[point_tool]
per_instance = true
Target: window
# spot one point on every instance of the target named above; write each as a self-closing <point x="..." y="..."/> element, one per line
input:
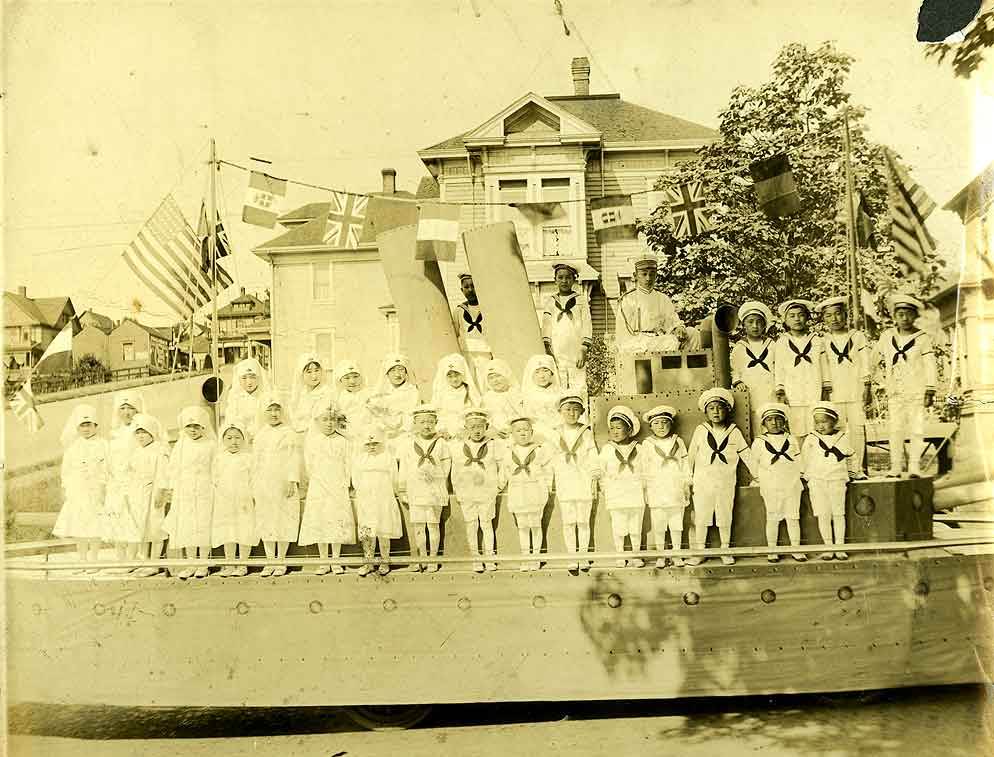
<point x="321" y="281"/>
<point x="324" y="346"/>
<point x="128" y="351"/>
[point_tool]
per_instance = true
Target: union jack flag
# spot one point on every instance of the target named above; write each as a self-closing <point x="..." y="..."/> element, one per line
<point x="23" y="405"/>
<point x="688" y="209"/>
<point x="345" y="220"/>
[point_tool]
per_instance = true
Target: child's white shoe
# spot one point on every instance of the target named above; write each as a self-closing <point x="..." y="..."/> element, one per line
<point x="383" y="569"/>
<point x="267" y="572"/>
<point x="678" y="562"/>
<point x="185" y="573"/>
<point x="365" y="570"/>
<point x="433" y="567"/>
<point x="773" y="558"/>
<point x="491" y="566"/>
<point x="800" y="557"/>
<point x="694" y="560"/>
<point x="638" y="562"/>
<point x="826" y="556"/>
<point x="525" y="567"/>
<point x="322" y="570"/>
<point x="841" y="556"/>
<point x="239" y="570"/>
<point x="727" y="560"/>
<point x="661" y="562"/>
<point x="279" y="570"/>
<point x="337" y="569"/>
<point x="478" y="567"/>
<point x="619" y="563"/>
<point x="414" y="567"/>
<point x="201" y="572"/>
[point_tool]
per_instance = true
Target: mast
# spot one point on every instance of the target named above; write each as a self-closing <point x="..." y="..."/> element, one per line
<point x="855" y="307"/>
<point x="212" y="256"/>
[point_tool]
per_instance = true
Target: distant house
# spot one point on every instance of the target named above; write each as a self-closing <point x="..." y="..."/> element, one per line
<point x="133" y="345"/>
<point x="329" y="292"/>
<point x="30" y="325"/>
<point x="244" y="329"/>
<point x="93" y="337"/>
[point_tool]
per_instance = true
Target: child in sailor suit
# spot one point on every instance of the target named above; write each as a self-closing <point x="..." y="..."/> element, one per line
<point x="848" y="359"/>
<point x="664" y="459"/>
<point x="527" y="472"/>
<point x="566" y="328"/>
<point x="424" y="471"/>
<point x="576" y="468"/>
<point x="715" y="450"/>
<point x="910" y="379"/>
<point x="752" y="358"/>
<point x="476" y="483"/>
<point x="777" y="460"/>
<point x="800" y="370"/>
<point x="824" y="459"/>
<point x="623" y="482"/>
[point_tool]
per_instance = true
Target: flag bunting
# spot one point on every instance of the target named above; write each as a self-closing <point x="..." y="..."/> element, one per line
<point x="688" y="209"/>
<point x="775" y="187"/>
<point x="346" y="218"/>
<point x="613" y="217"/>
<point x="263" y="199"/>
<point x="23" y="405"/>
<point x="438" y="230"/>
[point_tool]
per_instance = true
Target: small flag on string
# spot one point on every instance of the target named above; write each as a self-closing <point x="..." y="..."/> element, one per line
<point x="438" y="230"/>
<point x="775" y="188"/>
<point x="346" y="218"/>
<point x="58" y="355"/>
<point x="538" y="212"/>
<point x="222" y="247"/>
<point x="909" y="206"/>
<point x="23" y="405"/>
<point x="613" y="217"/>
<point x="263" y="199"/>
<point x="657" y="199"/>
<point x="688" y="209"/>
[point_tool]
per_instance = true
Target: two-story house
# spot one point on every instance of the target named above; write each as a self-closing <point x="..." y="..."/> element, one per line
<point x="30" y="325"/>
<point x="244" y="329"/>
<point x="136" y="346"/>
<point x="93" y="337"/>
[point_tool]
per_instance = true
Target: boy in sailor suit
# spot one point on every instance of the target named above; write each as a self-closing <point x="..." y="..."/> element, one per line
<point x="476" y="482"/>
<point x="566" y="328"/>
<point x="777" y="458"/>
<point x="910" y="378"/>
<point x="800" y="371"/>
<point x="576" y="470"/>
<point x="468" y="320"/>
<point x="664" y="459"/>
<point x="527" y="472"/>
<point x="424" y="470"/>
<point x="715" y="450"/>
<point x="752" y="358"/>
<point x="848" y="359"/>
<point x="646" y="319"/>
<point x="624" y="482"/>
<point x="823" y="458"/>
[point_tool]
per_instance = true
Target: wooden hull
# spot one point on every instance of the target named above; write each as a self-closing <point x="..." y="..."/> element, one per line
<point x="922" y="618"/>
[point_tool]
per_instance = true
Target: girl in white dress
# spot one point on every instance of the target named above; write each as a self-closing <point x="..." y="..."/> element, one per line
<point x="233" y="522"/>
<point x="276" y="476"/>
<point x="540" y="393"/>
<point x="452" y="393"/>
<point x="190" y="487"/>
<point x="395" y="397"/>
<point x="328" y="517"/>
<point x="374" y="478"/>
<point x="352" y="397"/>
<point x="146" y="475"/>
<point x="84" y="482"/>
<point x="247" y="390"/>
<point x="502" y="398"/>
<point x="310" y="387"/>
<point x="122" y="529"/>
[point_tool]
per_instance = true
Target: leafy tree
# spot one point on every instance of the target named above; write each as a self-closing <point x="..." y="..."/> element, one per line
<point x="89" y="367"/>
<point x="747" y="255"/>
<point x="969" y="54"/>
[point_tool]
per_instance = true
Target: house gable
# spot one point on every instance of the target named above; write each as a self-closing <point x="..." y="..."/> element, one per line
<point x="532" y="119"/>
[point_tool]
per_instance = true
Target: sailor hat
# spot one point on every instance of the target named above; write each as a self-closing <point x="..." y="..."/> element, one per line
<point x="772" y="408"/>
<point x="722" y="395"/>
<point x="476" y="412"/>
<point x="785" y="306"/>
<point x="575" y="399"/>
<point x="521" y="415"/>
<point x="659" y="411"/>
<point x="645" y="259"/>
<point x="620" y="411"/>
<point x="825" y="408"/>
<point x="567" y="266"/>
<point x="831" y="301"/>
<point x="424" y="409"/>
<point x="465" y="275"/>
<point x="755" y="307"/>
<point x="896" y="301"/>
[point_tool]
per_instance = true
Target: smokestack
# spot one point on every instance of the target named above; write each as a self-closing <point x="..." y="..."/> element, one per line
<point x="389" y="181"/>
<point x="243" y="291"/>
<point x="23" y="291"/>
<point x="581" y="76"/>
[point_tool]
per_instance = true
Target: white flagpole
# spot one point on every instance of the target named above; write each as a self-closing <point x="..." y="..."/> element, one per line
<point x="855" y="306"/>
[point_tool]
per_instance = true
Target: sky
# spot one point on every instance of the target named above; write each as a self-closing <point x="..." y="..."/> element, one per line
<point x="111" y="105"/>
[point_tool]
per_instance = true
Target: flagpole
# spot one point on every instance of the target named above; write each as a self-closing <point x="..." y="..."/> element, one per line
<point x="855" y="308"/>
<point x="212" y="256"/>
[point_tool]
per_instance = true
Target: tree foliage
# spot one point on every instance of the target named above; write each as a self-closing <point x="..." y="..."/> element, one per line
<point x="747" y="255"/>
<point x="966" y="56"/>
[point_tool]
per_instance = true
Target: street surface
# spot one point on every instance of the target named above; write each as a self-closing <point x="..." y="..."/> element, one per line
<point x="949" y="721"/>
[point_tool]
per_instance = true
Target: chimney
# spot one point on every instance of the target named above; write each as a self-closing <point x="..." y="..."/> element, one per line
<point x="581" y="76"/>
<point x="23" y="291"/>
<point x="243" y="291"/>
<point x="389" y="181"/>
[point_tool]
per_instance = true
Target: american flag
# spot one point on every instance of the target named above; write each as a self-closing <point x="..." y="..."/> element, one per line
<point x="909" y="206"/>
<point x="166" y="257"/>
<point x="346" y="218"/>
<point x="688" y="209"/>
<point x="23" y="405"/>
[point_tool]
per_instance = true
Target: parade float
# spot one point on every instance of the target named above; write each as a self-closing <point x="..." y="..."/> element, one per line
<point x="911" y="607"/>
